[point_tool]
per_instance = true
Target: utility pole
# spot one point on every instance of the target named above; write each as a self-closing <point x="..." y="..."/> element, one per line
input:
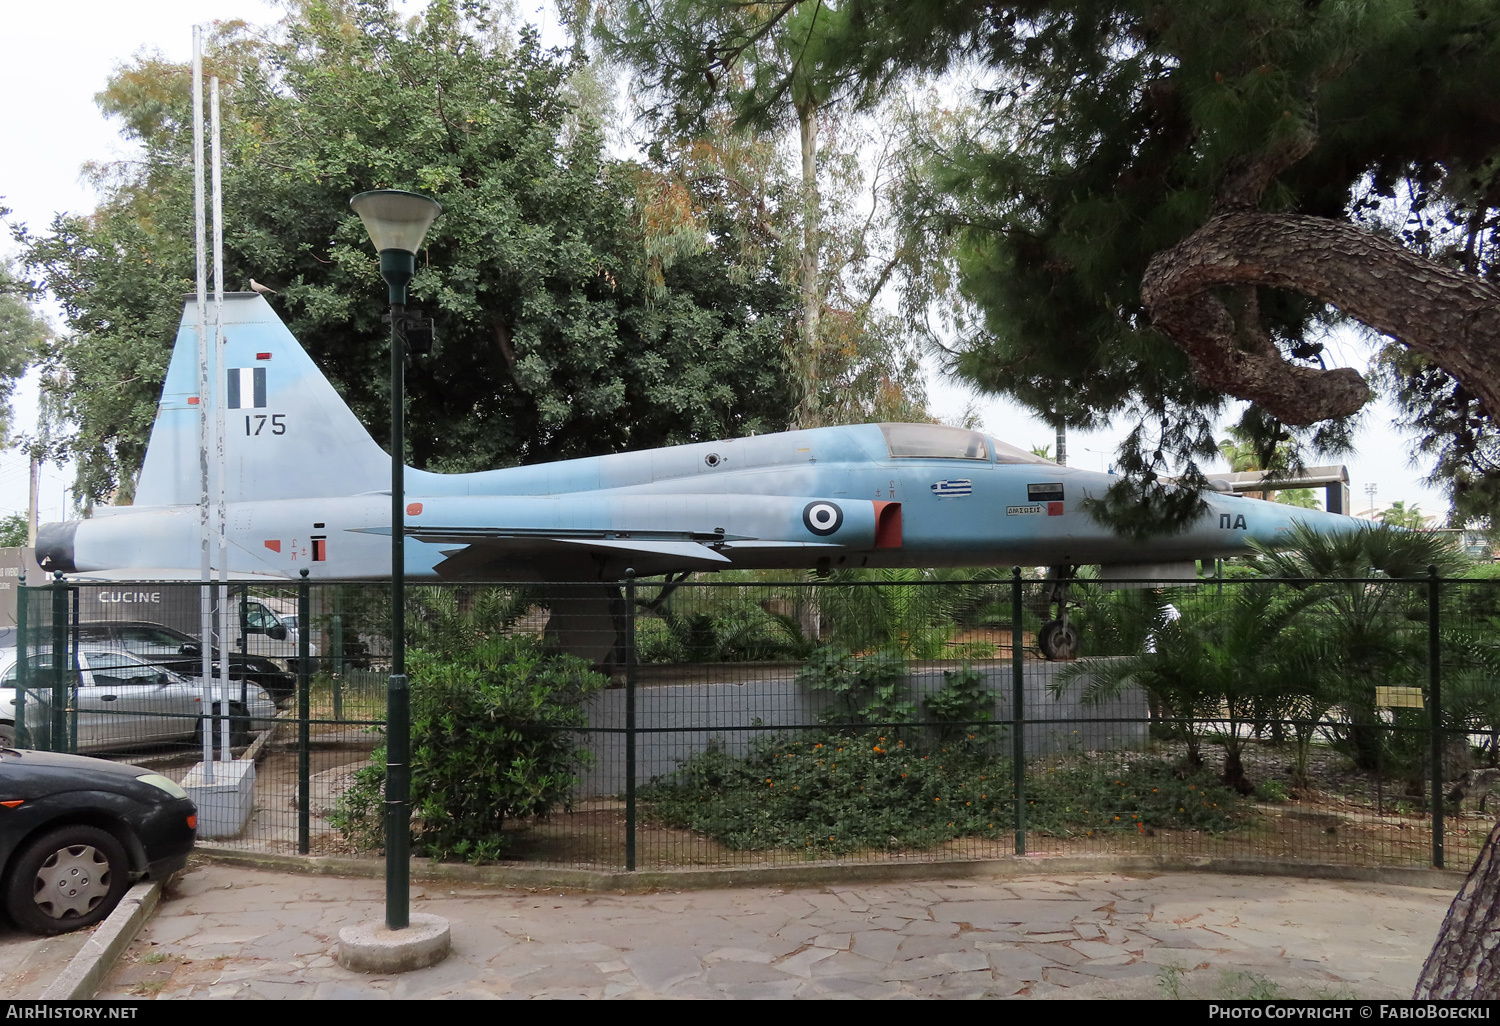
<point x="36" y="481"/>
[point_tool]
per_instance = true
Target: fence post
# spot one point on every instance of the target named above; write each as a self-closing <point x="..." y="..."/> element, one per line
<point x="338" y="667"/>
<point x="630" y="720"/>
<point x="23" y="671"/>
<point x="73" y="670"/>
<point x="304" y="786"/>
<point x="60" y="697"/>
<point x="1018" y="711"/>
<point x="1435" y="715"/>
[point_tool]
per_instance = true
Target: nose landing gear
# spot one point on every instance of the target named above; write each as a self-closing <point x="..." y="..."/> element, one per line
<point x="1058" y="638"/>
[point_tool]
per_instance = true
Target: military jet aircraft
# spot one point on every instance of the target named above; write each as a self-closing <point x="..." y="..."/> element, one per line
<point x="308" y="488"/>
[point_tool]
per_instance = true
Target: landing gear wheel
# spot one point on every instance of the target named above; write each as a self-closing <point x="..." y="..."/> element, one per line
<point x="1058" y="641"/>
<point x="7" y="736"/>
<point x="66" y="880"/>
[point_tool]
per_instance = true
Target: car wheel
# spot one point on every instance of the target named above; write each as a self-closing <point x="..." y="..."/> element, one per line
<point x="66" y="880"/>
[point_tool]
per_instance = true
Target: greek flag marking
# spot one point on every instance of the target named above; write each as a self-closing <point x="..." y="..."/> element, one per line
<point x="957" y="486"/>
<point x="245" y="383"/>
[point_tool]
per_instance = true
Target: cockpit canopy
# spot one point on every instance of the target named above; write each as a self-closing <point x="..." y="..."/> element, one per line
<point x="938" y="441"/>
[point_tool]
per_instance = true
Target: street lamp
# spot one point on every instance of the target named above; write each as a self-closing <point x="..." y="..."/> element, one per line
<point x="397" y="222"/>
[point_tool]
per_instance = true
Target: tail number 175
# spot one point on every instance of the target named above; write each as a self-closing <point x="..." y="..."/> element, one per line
<point x="277" y="423"/>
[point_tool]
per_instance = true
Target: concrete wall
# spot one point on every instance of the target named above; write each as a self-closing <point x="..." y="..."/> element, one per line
<point x="735" y="713"/>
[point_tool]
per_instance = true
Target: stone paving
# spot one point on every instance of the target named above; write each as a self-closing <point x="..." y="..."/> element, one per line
<point x="28" y="963"/>
<point x="224" y="932"/>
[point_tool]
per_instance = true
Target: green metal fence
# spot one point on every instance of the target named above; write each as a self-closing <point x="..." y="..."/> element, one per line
<point x="901" y="717"/>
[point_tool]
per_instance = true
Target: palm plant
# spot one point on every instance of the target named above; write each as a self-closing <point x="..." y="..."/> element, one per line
<point x="1223" y="661"/>
<point x="1362" y="603"/>
<point x="905" y="612"/>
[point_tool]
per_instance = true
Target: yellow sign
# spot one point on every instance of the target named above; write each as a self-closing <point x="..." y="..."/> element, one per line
<point x="1399" y="698"/>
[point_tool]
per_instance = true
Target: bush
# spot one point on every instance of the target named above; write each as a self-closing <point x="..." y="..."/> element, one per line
<point x="963" y="708"/>
<point x="491" y="740"/>
<point x="833" y="794"/>
<point x="866" y="689"/>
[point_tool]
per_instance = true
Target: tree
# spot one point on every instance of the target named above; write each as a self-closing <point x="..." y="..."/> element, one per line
<point x="1169" y="202"/>
<point x="1400" y="515"/>
<point x="1364" y="613"/>
<point x="1303" y="498"/>
<point x="23" y="334"/>
<point x="850" y="361"/>
<point x="558" y="336"/>
<point x="1461" y="965"/>
<point x="13" y="530"/>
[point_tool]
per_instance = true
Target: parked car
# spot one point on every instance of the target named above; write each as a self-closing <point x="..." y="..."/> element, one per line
<point x="125" y="701"/>
<point x="255" y="621"/>
<point x="75" y="833"/>
<point x="175" y="650"/>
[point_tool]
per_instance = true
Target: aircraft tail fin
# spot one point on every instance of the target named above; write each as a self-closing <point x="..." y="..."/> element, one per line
<point x="287" y="433"/>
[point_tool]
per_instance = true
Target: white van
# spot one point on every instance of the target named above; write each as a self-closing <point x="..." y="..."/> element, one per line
<point x="270" y="622"/>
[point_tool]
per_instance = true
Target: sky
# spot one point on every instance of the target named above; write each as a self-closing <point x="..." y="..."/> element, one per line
<point x="57" y="58"/>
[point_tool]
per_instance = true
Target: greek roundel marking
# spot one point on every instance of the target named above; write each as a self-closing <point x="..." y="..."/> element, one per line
<point x="822" y="518"/>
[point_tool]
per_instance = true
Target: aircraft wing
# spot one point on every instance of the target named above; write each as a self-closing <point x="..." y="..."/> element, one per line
<point x="479" y="536"/>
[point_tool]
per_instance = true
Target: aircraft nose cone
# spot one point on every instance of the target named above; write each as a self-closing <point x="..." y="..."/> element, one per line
<point x="54" y="547"/>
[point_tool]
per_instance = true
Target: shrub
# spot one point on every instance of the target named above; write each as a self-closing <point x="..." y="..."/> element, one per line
<point x="491" y="740"/>
<point x="866" y="689"/>
<point x="963" y="708"/>
<point x="833" y="793"/>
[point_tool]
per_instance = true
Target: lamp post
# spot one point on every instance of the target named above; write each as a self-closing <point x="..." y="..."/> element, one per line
<point x="397" y="222"/>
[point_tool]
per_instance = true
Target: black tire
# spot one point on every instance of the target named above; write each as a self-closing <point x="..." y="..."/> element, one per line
<point x="1058" y="641"/>
<point x="67" y="879"/>
<point x="239" y="727"/>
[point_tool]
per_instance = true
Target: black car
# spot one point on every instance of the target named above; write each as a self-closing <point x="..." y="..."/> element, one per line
<point x="76" y="832"/>
<point x="179" y="652"/>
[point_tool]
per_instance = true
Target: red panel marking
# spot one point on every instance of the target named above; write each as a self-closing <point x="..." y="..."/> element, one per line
<point x="1054" y="509"/>
<point x="275" y="545"/>
<point x="320" y="549"/>
<point x="192" y="400"/>
<point x="413" y="509"/>
<point x="15" y="804"/>
<point x="262" y="356"/>
<point x="887" y="525"/>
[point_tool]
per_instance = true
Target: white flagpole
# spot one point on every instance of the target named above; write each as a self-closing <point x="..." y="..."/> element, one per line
<point x="205" y="590"/>
<point x="218" y="401"/>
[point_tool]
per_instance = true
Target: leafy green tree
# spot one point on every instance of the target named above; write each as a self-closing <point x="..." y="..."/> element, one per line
<point x="14" y="529"/>
<point x="23" y="335"/>
<point x="557" y="336"/>
<point x="1162" y="203"/>
<point x="850" y="361"/>
<point x="1401" y="515"/>
<point x="1304" y="498"/>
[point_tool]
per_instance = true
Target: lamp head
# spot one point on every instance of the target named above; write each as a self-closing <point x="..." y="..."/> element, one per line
<point x="397" y="222"/>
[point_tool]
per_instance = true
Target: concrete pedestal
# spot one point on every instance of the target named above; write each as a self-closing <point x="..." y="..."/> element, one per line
<point x="372" y="948"/>
<point x="224" y="806"/>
